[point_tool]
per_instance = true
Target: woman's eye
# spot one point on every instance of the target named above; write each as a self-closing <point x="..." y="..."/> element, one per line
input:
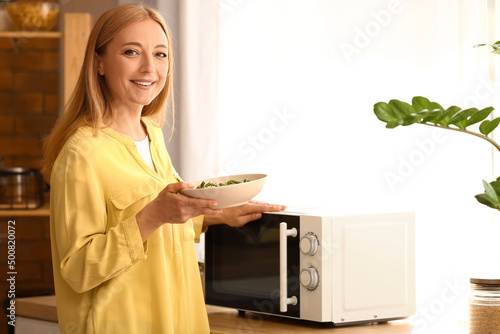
<point x="162" y="55"/>
<point x="131" y="52"/>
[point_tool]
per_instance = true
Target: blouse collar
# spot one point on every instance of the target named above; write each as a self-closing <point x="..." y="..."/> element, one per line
<point x="126" y="140"/>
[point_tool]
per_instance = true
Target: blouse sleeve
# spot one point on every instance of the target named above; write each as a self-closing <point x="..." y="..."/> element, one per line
<point x="198" y="227"/>
<point x="90" y="252"/>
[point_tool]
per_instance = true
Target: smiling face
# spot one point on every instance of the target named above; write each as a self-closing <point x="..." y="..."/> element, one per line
<point x="135" y="65"/>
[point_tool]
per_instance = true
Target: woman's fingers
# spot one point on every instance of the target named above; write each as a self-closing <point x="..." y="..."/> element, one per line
<point x="178" y="186"/>
<point x="259" y="207"/>
<point x="171" y="207"/>
<point x="243" y="214"/>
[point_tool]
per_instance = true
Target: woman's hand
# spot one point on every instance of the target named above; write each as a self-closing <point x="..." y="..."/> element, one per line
<point x="240" y="215"/>
<point x="171" y="207"/>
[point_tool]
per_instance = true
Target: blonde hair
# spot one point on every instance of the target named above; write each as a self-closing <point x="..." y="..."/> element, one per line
<point x="91" y="101"/>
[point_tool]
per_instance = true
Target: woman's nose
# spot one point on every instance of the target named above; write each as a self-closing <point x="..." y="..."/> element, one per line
<point x="147" y="64"/>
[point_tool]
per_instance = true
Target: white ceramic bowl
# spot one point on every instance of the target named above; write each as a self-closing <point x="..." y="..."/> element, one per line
<point x="230" y="195"/>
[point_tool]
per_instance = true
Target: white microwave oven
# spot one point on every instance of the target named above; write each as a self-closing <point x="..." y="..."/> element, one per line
<point x="331" y="269"/>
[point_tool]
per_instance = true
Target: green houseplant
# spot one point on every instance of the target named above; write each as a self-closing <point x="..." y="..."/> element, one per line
<point x="422" y="111"/>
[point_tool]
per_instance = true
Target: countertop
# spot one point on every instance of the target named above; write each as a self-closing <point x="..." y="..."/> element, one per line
<point x="224" y="320"/>
<point x="228" y="321"/>
<point x="42" y="307"/>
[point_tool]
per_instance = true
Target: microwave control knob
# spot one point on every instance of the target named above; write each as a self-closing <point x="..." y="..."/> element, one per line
<point x="309" y="244"/>
<point x="309" y="278"/>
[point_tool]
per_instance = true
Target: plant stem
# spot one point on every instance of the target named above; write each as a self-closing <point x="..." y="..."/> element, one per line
<point x="491" y="141"/>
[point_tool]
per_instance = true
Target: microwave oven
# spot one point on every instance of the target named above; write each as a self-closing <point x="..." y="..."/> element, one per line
<point x="331" y="269"/>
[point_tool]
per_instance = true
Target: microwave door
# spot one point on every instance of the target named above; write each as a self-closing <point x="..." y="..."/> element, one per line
<point x="242" y="266"/>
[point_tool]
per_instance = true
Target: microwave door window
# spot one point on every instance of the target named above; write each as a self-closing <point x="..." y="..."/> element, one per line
<point x="247" y="263"/>
<point x="242" y="264"/>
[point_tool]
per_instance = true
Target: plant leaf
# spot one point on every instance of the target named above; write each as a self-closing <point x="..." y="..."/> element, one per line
<point x="479" y="116"/>
<point x="460" y="118"/>
<point x="496" y="186"/>
<point x="448" y="114"/>
<point x="420" y="103"/>
<point x="490" y="192"/>
<point x="384" y="112"/>
<point x="412" y="119"/>
<point x="491" y="195"/>
<point x="488" y="126"/>
<point x="483" y="127"/>
<point x="401" y="109"/>
<point x="483" y="199"/>
<point x="392" y="125"/>
<point x="495" y="46"/>
<point x="497" y="181"/>
<point x="436" y="106"/>
<point x="433" y="117"/>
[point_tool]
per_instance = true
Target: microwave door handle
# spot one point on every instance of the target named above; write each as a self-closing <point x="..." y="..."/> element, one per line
<point x="284" y="300"/>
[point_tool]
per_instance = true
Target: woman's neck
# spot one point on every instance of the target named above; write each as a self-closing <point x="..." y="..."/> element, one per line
<point x="130" y="125"/>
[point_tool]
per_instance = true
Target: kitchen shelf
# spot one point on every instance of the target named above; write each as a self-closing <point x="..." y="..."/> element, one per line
<point x="31" y="34"/>
<point x="43" y="211"/>
<point x="75" y="33"/>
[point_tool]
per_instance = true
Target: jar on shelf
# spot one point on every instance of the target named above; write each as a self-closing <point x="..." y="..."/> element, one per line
<point x="484" y="306"/>
<point x="34" y="15"/>
<point x="5" y="21"/>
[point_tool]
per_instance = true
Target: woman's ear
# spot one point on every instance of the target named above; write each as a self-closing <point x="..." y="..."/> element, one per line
<point x="100" y="65"/>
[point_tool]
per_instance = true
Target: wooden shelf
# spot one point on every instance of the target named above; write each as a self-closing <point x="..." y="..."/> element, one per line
<point x="43" y="211"/>
<point x="31" y="34"/>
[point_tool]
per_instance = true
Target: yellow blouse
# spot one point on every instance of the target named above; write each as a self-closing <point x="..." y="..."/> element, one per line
<point x="106" y="279"/>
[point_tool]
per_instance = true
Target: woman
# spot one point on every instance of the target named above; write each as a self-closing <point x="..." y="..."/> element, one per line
<point x="122" y="237"/>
